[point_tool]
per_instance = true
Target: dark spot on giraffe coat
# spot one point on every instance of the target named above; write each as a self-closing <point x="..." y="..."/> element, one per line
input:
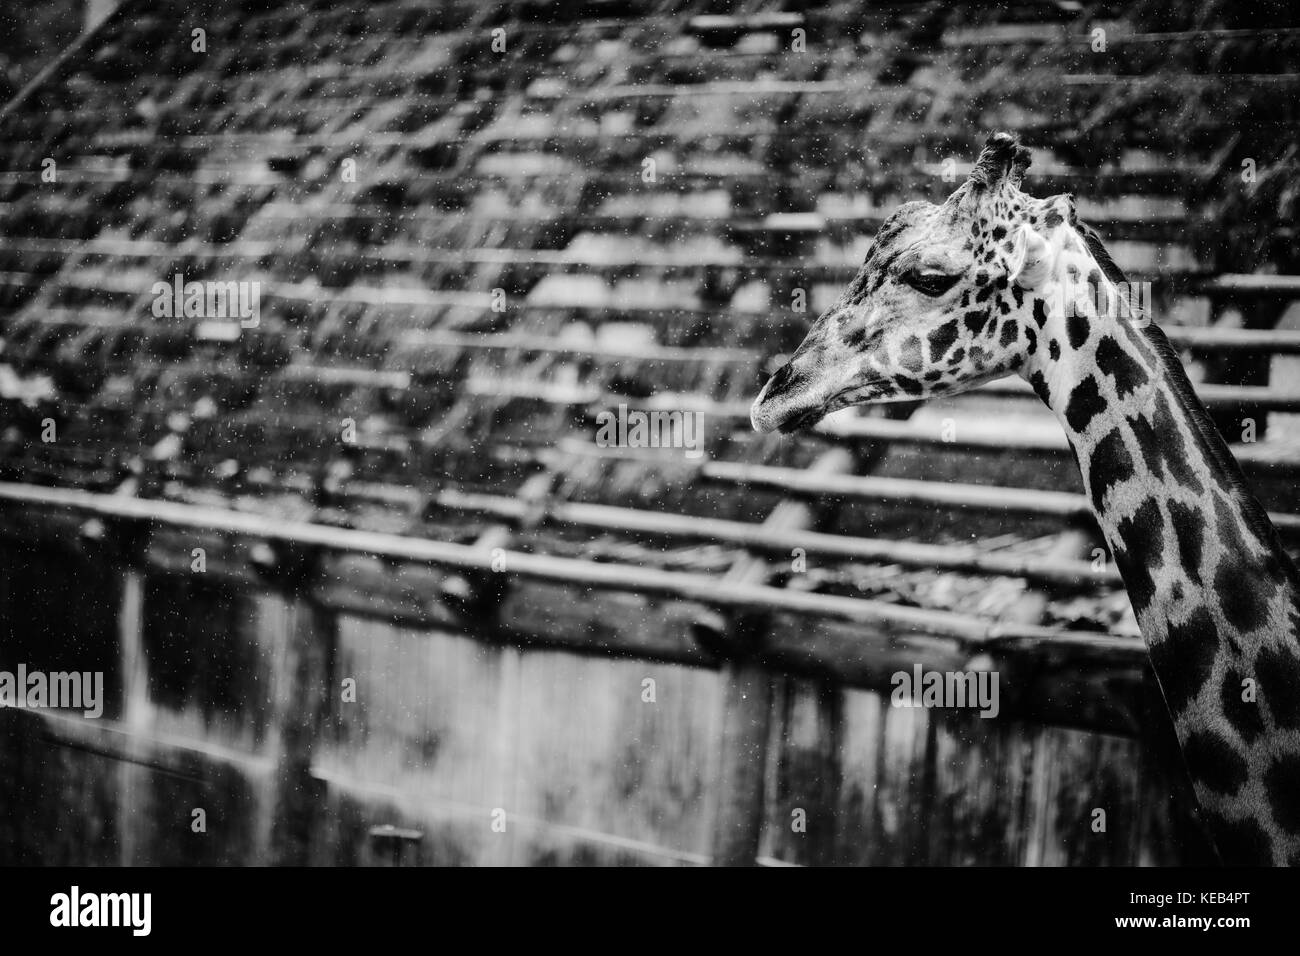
<point x="1189" y="533"/>
<point x="1054" y="349"/>
<point x="1243" y="600"/>
<point x="909" y="355"/>
<point x="1010" y="332"/>
<point x="909" y="385"/>
<point x="1033" y="341"/>
<point x="999" y="232"/>
<point x="1226" y="518"/>
<point x="1244" y="715"/>
<point x="965" y="299"/>
<point x="976" y="320"/>
<point x="1039" y="384"/>
<point x="1143" y="537"/>
<point x="1004" y="306"/>
<point x="957" y="355"/>
<point x="1239" y="842"/>
<point x="1040" y="312"/>
<point x="1176" y="592"/>
<point x="1247" y="584"/>
<point x="982" y="277"/>
<point x="1018" y="294"/>
<point x="1076" y="327"/>
<point x="1213" y="762"/>
<point x="933" y="375"/>
<point x="1277" y="673"/>
<point x="1108" y="465"/>
<point x="1173" y="452"/>
<point x="1282" y="782"/>
<point x="1119" y="365"/>
<point x="941" y="339"/>
<point x="1052" y="219"/>
<point x="1148" y="442"/>
<point x="1085" y="403"/>
<point x="882" y="271"/>
<point x="860" y="339"/>
<point x="984" y="293"/>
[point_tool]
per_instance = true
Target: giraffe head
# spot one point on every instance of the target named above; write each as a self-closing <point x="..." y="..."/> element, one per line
<point x="937" y="307"/>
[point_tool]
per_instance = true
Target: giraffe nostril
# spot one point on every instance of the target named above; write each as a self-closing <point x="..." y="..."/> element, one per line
<point x="780" y="381"/>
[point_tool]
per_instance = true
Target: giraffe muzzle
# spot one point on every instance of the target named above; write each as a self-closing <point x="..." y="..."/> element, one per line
<point x="789" y="402"/>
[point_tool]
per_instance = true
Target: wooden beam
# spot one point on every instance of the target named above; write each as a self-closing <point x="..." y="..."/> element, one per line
<point x="768" y="539"/>
<point x="907" y="491"/>
<point x="699" y="588"/>
<point x="1057" y="504"/>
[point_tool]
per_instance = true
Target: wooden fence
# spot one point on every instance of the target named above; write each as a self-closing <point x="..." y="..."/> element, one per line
<point x="521" y="702"/>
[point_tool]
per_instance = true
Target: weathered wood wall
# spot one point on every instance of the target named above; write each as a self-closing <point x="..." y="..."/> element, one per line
<point x="232" y="700"/>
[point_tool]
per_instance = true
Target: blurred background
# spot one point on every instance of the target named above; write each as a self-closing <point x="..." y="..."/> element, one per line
<point x="364" y="585"/>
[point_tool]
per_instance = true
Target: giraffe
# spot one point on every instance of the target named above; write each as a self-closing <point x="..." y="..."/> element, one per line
<point x="992" y="282"/>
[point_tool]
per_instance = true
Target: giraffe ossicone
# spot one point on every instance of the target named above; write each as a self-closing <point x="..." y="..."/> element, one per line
<point x="994" y="282"/>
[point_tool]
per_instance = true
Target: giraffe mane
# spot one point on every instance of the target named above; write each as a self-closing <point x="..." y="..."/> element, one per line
<point x="1181" y="387"/>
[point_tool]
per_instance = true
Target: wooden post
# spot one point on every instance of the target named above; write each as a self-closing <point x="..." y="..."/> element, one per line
<point x="304" y="682"/>
<point x="131" y="778"/>
<point x="503" y="849"/>
<point x="747" y="703"/>
<point x="746" y="716"/>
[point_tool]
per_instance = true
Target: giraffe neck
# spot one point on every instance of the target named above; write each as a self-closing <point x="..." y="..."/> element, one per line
<point x="1214" y="593"/>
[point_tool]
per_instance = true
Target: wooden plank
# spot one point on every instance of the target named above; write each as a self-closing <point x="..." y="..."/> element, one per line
<point x="1075" y="776"/>
<point x="1253" y="284"/>
<point x="1056" y="504"/>
<point x="1246" y="369"/>
<point x="304" y="687"/>
<point x="768" y="540"/>
<point x="738" y="815"/>
<point x="586" y="770"/>
<point x="806" y="774"/>
<point x="421" y="746"/>
<point x="602" y="755"/>
<point x="692" y="587"/>
<point x="131" y="779"/>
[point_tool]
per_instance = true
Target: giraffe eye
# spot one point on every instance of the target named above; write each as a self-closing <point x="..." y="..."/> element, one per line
<point x="930" y="283"/>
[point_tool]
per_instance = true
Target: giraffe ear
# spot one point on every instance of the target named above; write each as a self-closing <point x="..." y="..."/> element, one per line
<point x="1029" y="265"/>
